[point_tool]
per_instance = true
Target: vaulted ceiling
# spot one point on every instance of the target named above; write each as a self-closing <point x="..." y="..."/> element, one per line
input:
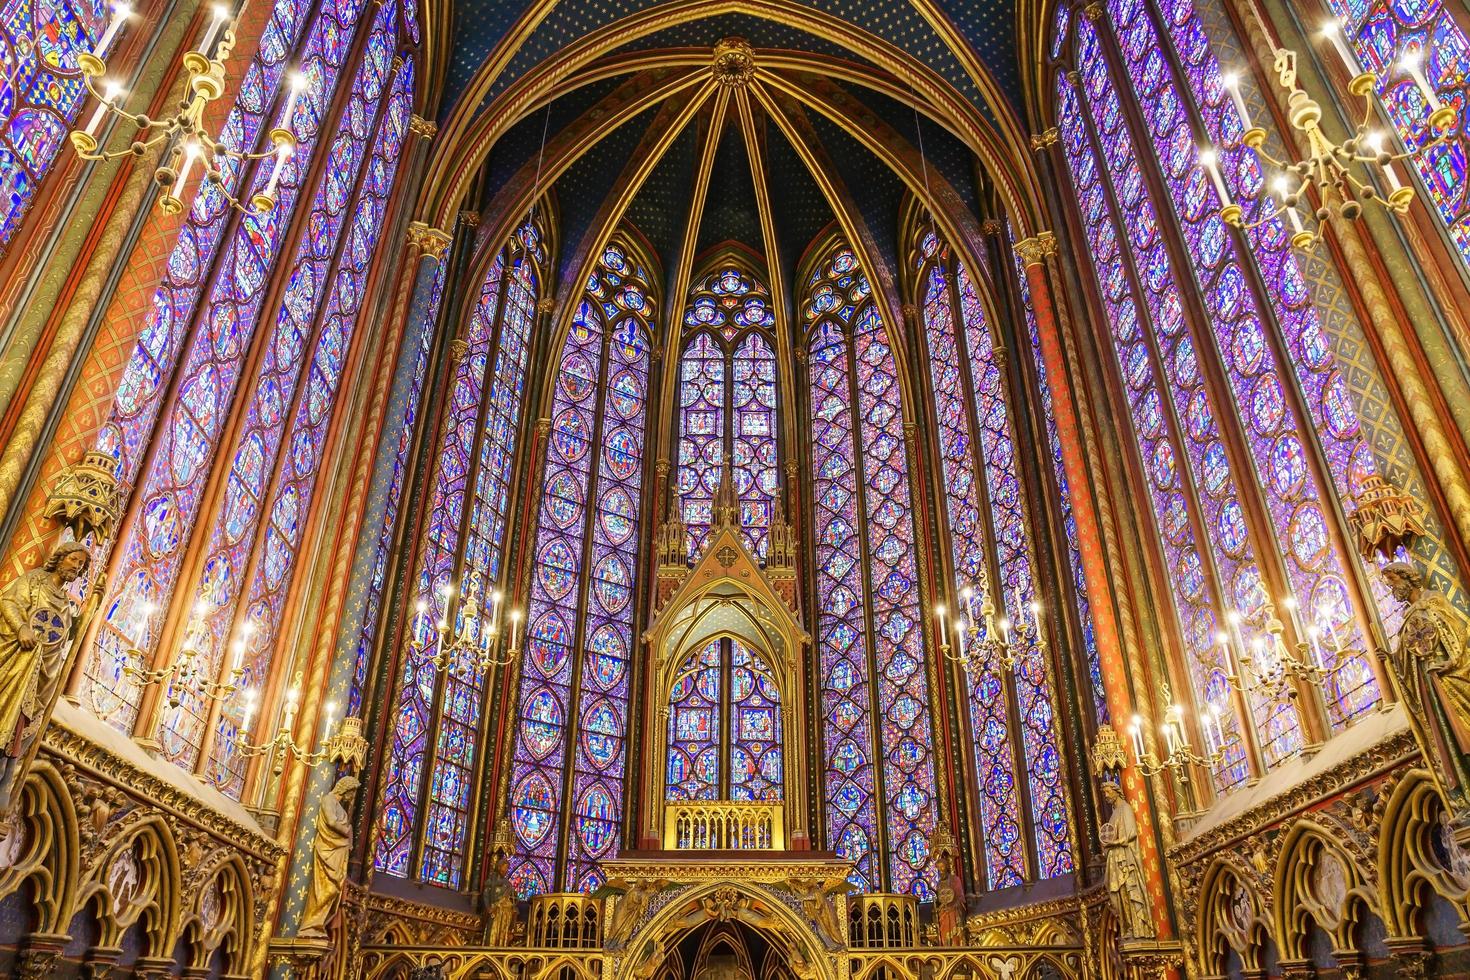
<point x="610" y="106"/>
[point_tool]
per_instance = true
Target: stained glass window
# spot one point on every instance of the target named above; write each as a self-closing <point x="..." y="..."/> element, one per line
<point x="456" y="584"/>
<point x="571" y="738"/>
<point x="166" y="504"/>
<point x="978" y="459"/>
<point x="724" y="726"/>
<point x="1064" y="500"/>
<point x="727" y="405"/>
<point x="878" y="746"/>
<point x="43" y="92"/>
<point x="1383" y="32"/>
<point x="1212" y="393"/>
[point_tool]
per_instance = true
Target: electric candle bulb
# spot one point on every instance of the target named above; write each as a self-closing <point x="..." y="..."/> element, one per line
<point x="328" y="714"/>
<point x="237" y="649"/>
<point x="1005" y="629"/>
<point x="249" y="710"/>
<point x="296" y="85"/>
<point x="120" y="14"/>
<point x="959" y="639"/>
<point x="219" y="14"/>
<point x="1136" y="732"/>
<point x="1314" y="635"/>
<point x="515" y="626"/>
<point x="110" y="93"/>
<point x="282" y="155"/>
<point x="191" y="155"/>
<point x="1390" y="175"/>
<point x="1232" y="85"/>
<point x="1210" y="160"/>
<point x="1293" y="608"/>
<point x="1332" y="30"/>
<point x="1413" y="63"/>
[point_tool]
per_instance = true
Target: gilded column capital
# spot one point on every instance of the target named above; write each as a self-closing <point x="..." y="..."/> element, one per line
<point x="421" y="127"/>
<point x="911" y="315"/>
<point x="991" y="227"/>
<point x="458" y="348"/>
<point x="470" y="219"/>
<point x="1045" y="138"/>
<point x="431" y="242"/>
<point x="546" y="306"/>
<point x="1037" y="249"/>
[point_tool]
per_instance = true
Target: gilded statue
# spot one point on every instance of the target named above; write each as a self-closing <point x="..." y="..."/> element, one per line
<point x="1124" y="867"/>
<point x="1431" y="665"/>
<point x="329" y="852"/>
<point x="630" y="908"/>
<point x="498" y="904"/>
<point x="816" y="902"/>
<point x="36" y="620"/>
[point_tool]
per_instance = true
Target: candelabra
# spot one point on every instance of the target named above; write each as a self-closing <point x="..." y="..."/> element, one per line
<point x="1269" y="663"/>
<point x="184" y="131"/>
<point x="476" y="643"/>
<point x="344" y="745"/>
<point x="1181" y="754"/>
<point x="1330" y="169"/>
<point x="1000" y="638"/>
<point x="188" y="673"/>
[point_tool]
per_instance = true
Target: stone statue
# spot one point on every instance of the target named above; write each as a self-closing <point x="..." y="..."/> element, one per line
<point x="1431" y="666"/>
<point x="816" y="902"/>
<point x="36" y="619"/>
<point x="1124" y="867"/>
<point x="329" y="853"/>
<point x="498" y="904"/>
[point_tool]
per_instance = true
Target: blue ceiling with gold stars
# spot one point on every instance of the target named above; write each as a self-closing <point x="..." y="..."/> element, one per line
<point x="989" y="28"/>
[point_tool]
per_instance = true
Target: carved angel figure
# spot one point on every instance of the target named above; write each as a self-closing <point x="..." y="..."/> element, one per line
<point x="36" y="617"/>
<point x="630" y="908"/>
<point x="816" y="902"/>
<point x="329" y="852"/>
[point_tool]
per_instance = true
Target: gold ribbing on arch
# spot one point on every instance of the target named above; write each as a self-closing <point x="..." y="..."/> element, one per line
<point x="470" y="132"/>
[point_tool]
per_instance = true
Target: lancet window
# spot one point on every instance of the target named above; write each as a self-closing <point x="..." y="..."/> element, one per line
<point x="724" y="726"/>
<point x="727" y="404"/>
<point x="566" y="784"/>
<point x="457" y="595"/>
<point x="1022" y="804"/>
<point x="878" y="758"/>
<point x="44" y="91"/>
<point x="206" y="553"/>
<point x="1244" y="428"/>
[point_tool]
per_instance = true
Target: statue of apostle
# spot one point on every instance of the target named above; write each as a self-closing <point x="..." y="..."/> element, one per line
<point x="36" y="618"/>
<point x="1124" y="868"/>
<point x="329" y="852"/>
<point x="1431" y="665"/>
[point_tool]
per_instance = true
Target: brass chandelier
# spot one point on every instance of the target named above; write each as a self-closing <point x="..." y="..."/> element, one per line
<point x="189" y="142"/>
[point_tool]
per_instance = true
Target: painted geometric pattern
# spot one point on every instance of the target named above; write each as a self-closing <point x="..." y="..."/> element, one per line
<point x="1064" y="500"/>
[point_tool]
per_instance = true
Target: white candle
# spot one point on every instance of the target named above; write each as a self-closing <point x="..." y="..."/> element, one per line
<point x="296" y="85"/>
<point x="1315" y="635"/>
<point x="219" y="13"/>
<point x="515" y="626"/>
<point x="939" y="613"/>
<point x="120" y="13"/>
<point x="1210" y="160"/>
<point x="249" y="710"/>
<point x="1413" y="63"/>
<point x="1293" y="610"/>
<point x="1332" y="29"/>
<point x="283" y="153"/>
<point x="1136" y="731"/>
<point x="328" y="714"/>
<point x="191" y="154"/>
<point x="110" y="92"/>
<point x="1390" y="175"/>
<point x="1232" y="85"/>
<point x="1224" y="640"/>
<point x="238" y="650"/>
<point x="1005" y="629"/>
